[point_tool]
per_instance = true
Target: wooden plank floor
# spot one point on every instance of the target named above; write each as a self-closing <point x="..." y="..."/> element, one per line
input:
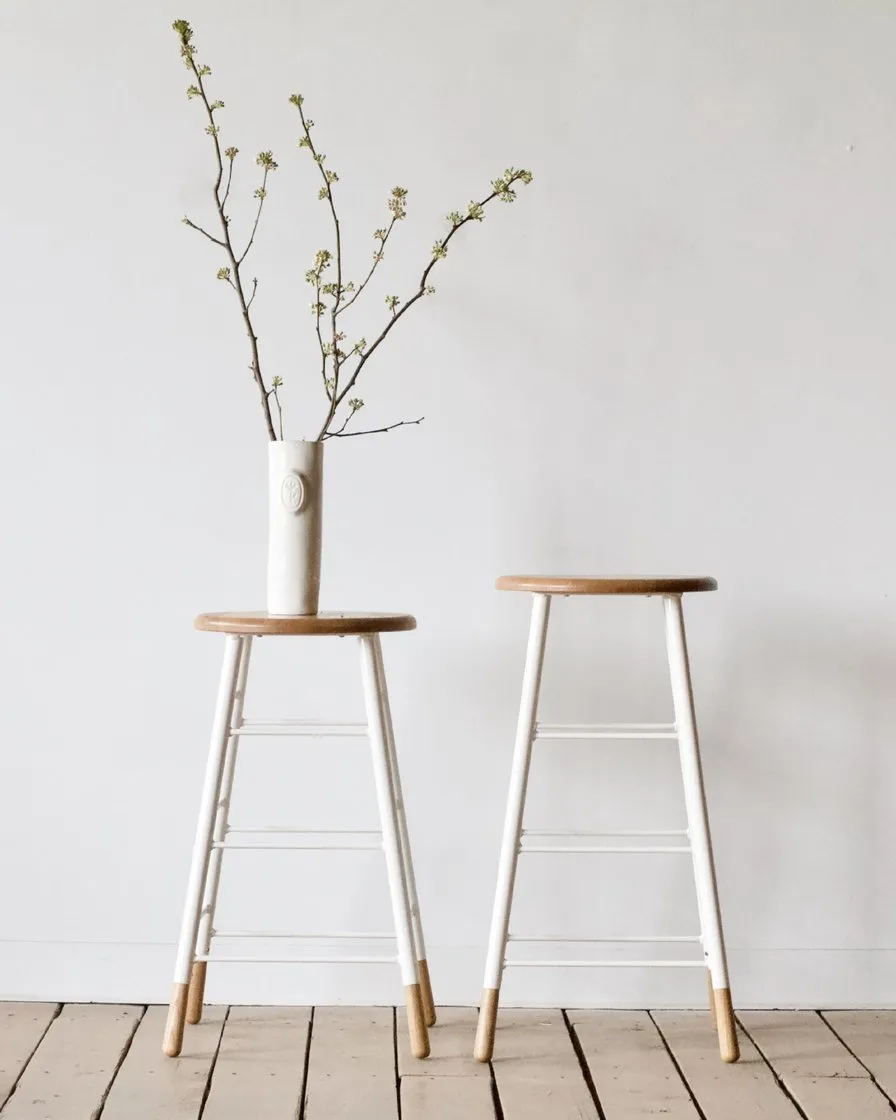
<point x="87" y="1062"/>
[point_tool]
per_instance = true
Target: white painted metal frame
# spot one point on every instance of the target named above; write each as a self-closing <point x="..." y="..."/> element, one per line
<point x="213" y="834"/>
<point x="695" y="795"/>
<point x="202" y="845"/>
<point x="210" y="808"/>
<point x="516" y="799"/>
<point x="615" y="731"/>
<point x="303" y="728"/>
<point x="403" y="836"/>
<point x="387" y="793"/>
<point x="213" y="877"/>
<point x="514" y="842"/>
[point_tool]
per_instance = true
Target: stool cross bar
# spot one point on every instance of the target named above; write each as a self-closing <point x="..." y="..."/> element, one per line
<point x="697" y="843"/>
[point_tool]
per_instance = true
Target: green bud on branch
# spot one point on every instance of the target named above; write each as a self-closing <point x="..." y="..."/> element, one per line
<point x="397" y="203"/>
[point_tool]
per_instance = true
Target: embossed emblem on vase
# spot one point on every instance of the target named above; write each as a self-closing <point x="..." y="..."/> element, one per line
<point x="292" y="492"/>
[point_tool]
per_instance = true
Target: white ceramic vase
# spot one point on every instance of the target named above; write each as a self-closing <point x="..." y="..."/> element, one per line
<point x="295" y="491"/>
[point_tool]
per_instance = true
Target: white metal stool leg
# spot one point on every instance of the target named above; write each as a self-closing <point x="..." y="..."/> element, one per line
<point x="387" y="800"/>
<point x="429" y="1007"/>
<point x="196" y="994"/>
<point x="174" y="1029"/>
<point x="513" y="824"/>
<point x="698" y="825"/>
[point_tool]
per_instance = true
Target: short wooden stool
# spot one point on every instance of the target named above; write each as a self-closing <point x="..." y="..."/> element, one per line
<point x="684" y="730"/>
<point x="213" y="829"/>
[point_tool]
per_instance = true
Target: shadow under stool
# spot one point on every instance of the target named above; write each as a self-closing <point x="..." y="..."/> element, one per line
<point x="684" y="730"/>
<point x="214" y="835"/>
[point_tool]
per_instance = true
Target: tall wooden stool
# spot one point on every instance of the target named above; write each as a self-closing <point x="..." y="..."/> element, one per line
<point x="213" y="831"/>
<point x="684" y="730"/>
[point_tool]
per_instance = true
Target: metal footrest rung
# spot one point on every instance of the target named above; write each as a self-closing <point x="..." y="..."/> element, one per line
<point x="559" y="938"/>
<point x="605" y="964"/>
<point x="288" y="830"/>
<point x="613" y="731"/>
<point x="627" y="832"/>
<point x="299" y="728"/>
<point x="228" y="846"/>
<point x="266" y="934"/>
<point x="544" y="849"/>
<point x="214" y="959"/>
<point x="281" y="830"/>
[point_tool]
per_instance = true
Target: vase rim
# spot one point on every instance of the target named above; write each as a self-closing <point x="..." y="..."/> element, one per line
<point x="310" y="442"/>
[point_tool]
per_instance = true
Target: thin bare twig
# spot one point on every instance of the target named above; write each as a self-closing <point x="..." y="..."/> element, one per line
<point x="341" y="434"/>
<point x="189" y="54"/>
<point x="320" y="337"/>
<point x="345" y="423"/>
<point x="229" y="180"/>
<point x="204" y="233"/>
<point x="377" y="258"/>
<point x="262" y="195"/>
<point x="276" y="395"/>
<point x="334" y="310"/>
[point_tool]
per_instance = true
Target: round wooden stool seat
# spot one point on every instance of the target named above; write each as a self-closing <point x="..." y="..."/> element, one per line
<point x="607" y="585"/>
<point x="260" y="623"/>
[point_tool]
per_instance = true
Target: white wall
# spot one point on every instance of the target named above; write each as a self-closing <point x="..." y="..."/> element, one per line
<point x="674" y="353"/>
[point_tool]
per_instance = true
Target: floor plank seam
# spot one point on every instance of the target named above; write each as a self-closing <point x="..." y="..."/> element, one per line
<point x="496" y="1096"/>
<point x="778" y="1081"/>
<point x="678" y="1068"/>
<point x="850" y="1050"/>
<point x="395" y="1060"/>
<point x="27" y="1061"/>
<point x="211" y="1069"/>
<point x="583" y="1065"/>
<point x="303" y="1095"/>
<point x="138" y="1019"/>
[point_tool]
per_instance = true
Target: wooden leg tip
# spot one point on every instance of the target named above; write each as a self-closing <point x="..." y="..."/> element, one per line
<point x="174" y="1027"/>
<point x="196" y="995"/>
<point x="419" y="1036"/>
<point x="420" y="1049"/>
<point x="729" y="1047"/>
<point x="429" y="1007"/>
<point x="485" y="1029"/>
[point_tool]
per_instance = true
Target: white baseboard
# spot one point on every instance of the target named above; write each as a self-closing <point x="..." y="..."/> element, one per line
<point x="141" y="973"/>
